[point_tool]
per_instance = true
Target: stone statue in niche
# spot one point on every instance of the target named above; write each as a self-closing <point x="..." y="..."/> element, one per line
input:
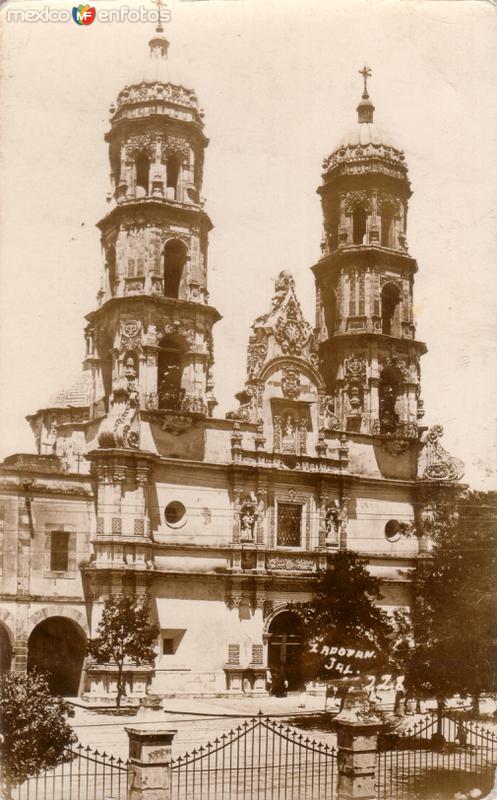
<point x="288" y="433"/>
<point x="248" y="517"/>
<point x="335" y="523"/>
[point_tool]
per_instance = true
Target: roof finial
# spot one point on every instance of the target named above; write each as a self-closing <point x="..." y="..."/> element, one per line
<point x="366" y="73"/>
<point x="365" y="108"/>
<point x="159" y="44"/>
<point x="160" y="5"/>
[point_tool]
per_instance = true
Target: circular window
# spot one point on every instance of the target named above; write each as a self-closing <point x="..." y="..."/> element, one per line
<point x="393" y="530"/>
<point x="175" y="514"/>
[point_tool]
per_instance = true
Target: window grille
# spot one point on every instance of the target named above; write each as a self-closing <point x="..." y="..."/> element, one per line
<point x="289" y="525"/>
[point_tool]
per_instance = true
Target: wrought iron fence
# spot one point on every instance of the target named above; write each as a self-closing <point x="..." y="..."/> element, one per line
<point x="259" y="760"/>
<point x="86" y="775"/>
<point x="437" y="759"/>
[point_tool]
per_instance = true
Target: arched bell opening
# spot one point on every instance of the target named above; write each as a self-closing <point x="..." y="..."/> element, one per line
<point x="390" y="307"/>
<point x="175" y="255"/>
<point x="389" y="390"/>
<point x="359" y="224"/>
<point x="170" y="371"/>
<point x="387" y="227"/>
<point x="173" y="172"/>
<point x="56" y="647"/>
<point x="285" y="651"/>
<point x="142" y="174"/>
<point x="110" y="265"/>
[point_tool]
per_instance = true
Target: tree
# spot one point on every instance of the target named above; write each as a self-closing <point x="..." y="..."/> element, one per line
<point x="345" y="632"/>
<point x="34" y="734"/>
<point x="124" y="635"/>
<point x="449" y="644"/>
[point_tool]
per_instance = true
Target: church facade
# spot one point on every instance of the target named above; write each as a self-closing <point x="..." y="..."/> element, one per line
<point x="138" y="487"/>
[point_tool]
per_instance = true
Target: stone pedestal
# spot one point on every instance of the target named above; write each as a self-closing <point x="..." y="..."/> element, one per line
<point x="150" y="764"/>
<point x="357" y="740"/>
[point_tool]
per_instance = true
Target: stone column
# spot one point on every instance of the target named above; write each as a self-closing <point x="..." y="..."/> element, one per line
<point x="150" y="764"/>
<point x="357" y="739"/>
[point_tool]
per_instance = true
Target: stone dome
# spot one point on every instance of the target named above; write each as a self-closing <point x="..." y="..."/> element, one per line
<point x="155" y="86"/>
<point x="75" y="394"/>
<point x="364" y="134"/>
<point x="365" y="140"/>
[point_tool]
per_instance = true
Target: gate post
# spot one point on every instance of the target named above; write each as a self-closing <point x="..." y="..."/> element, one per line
<point x="149" y="776"/>
<point x="357" y="739"/>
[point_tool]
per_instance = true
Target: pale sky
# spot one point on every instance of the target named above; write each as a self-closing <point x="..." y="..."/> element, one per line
<point x="279" y="83"/>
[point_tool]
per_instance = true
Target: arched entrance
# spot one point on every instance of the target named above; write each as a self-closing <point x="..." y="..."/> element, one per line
<point x="5" y="650"/>
<point x="57" y="647"/>
<point x="285" y="648"/>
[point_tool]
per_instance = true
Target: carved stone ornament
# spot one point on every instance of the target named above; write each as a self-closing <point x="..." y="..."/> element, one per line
<point x="355" y="368"/>
<point x="292" y="331"/>
<point x="176" y="423"/>
<point x="353" y="199"/>
<point x="235" y="598"/>
<point x="121" y="427"/>
<point x="172" y="145"/>
<point x="330" y="421"/>
<point x="283" y="331"/>
<point x="440" y="465"/>
<point x="256" y="355"/>
<point x="177" y="327"/>
<point x="131" y="330"/>
<point x="290" y="383"/>
<point x="387" y="201"/>
<point x="140" y="144"/>
<point x="399" y="364"/>
<point x="284" y="563"/>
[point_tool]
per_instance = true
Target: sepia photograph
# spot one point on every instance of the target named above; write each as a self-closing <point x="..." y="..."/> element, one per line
<point x="248" y="406"/>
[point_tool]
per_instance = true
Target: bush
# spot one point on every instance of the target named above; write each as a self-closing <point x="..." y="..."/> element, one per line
<point x="34" y="733"/>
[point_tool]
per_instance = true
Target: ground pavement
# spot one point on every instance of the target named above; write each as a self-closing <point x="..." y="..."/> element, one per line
<point x="199" y="720"/>
<point x="196" y="720"/>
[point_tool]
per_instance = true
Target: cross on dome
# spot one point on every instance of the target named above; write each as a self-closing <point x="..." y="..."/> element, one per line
<point x="159" y="44"/>
<point x="160" y="5"/>
<point x="365" y="109"/>
<point x="366" y="73"/>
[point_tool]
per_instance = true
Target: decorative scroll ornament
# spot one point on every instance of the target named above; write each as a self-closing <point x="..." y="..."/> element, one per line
<point x="121" y="428"/>
<point x="440" y="465"/>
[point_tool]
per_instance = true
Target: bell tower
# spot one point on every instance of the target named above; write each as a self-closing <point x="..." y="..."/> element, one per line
<point x="364" y="286"/>
<point x="149" y="343"/>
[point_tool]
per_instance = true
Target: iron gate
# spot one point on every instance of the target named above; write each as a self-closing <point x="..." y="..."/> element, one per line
<point x="259" y="760"/>
<point x="418" y="767"/>
<point x="85" y="775"/>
